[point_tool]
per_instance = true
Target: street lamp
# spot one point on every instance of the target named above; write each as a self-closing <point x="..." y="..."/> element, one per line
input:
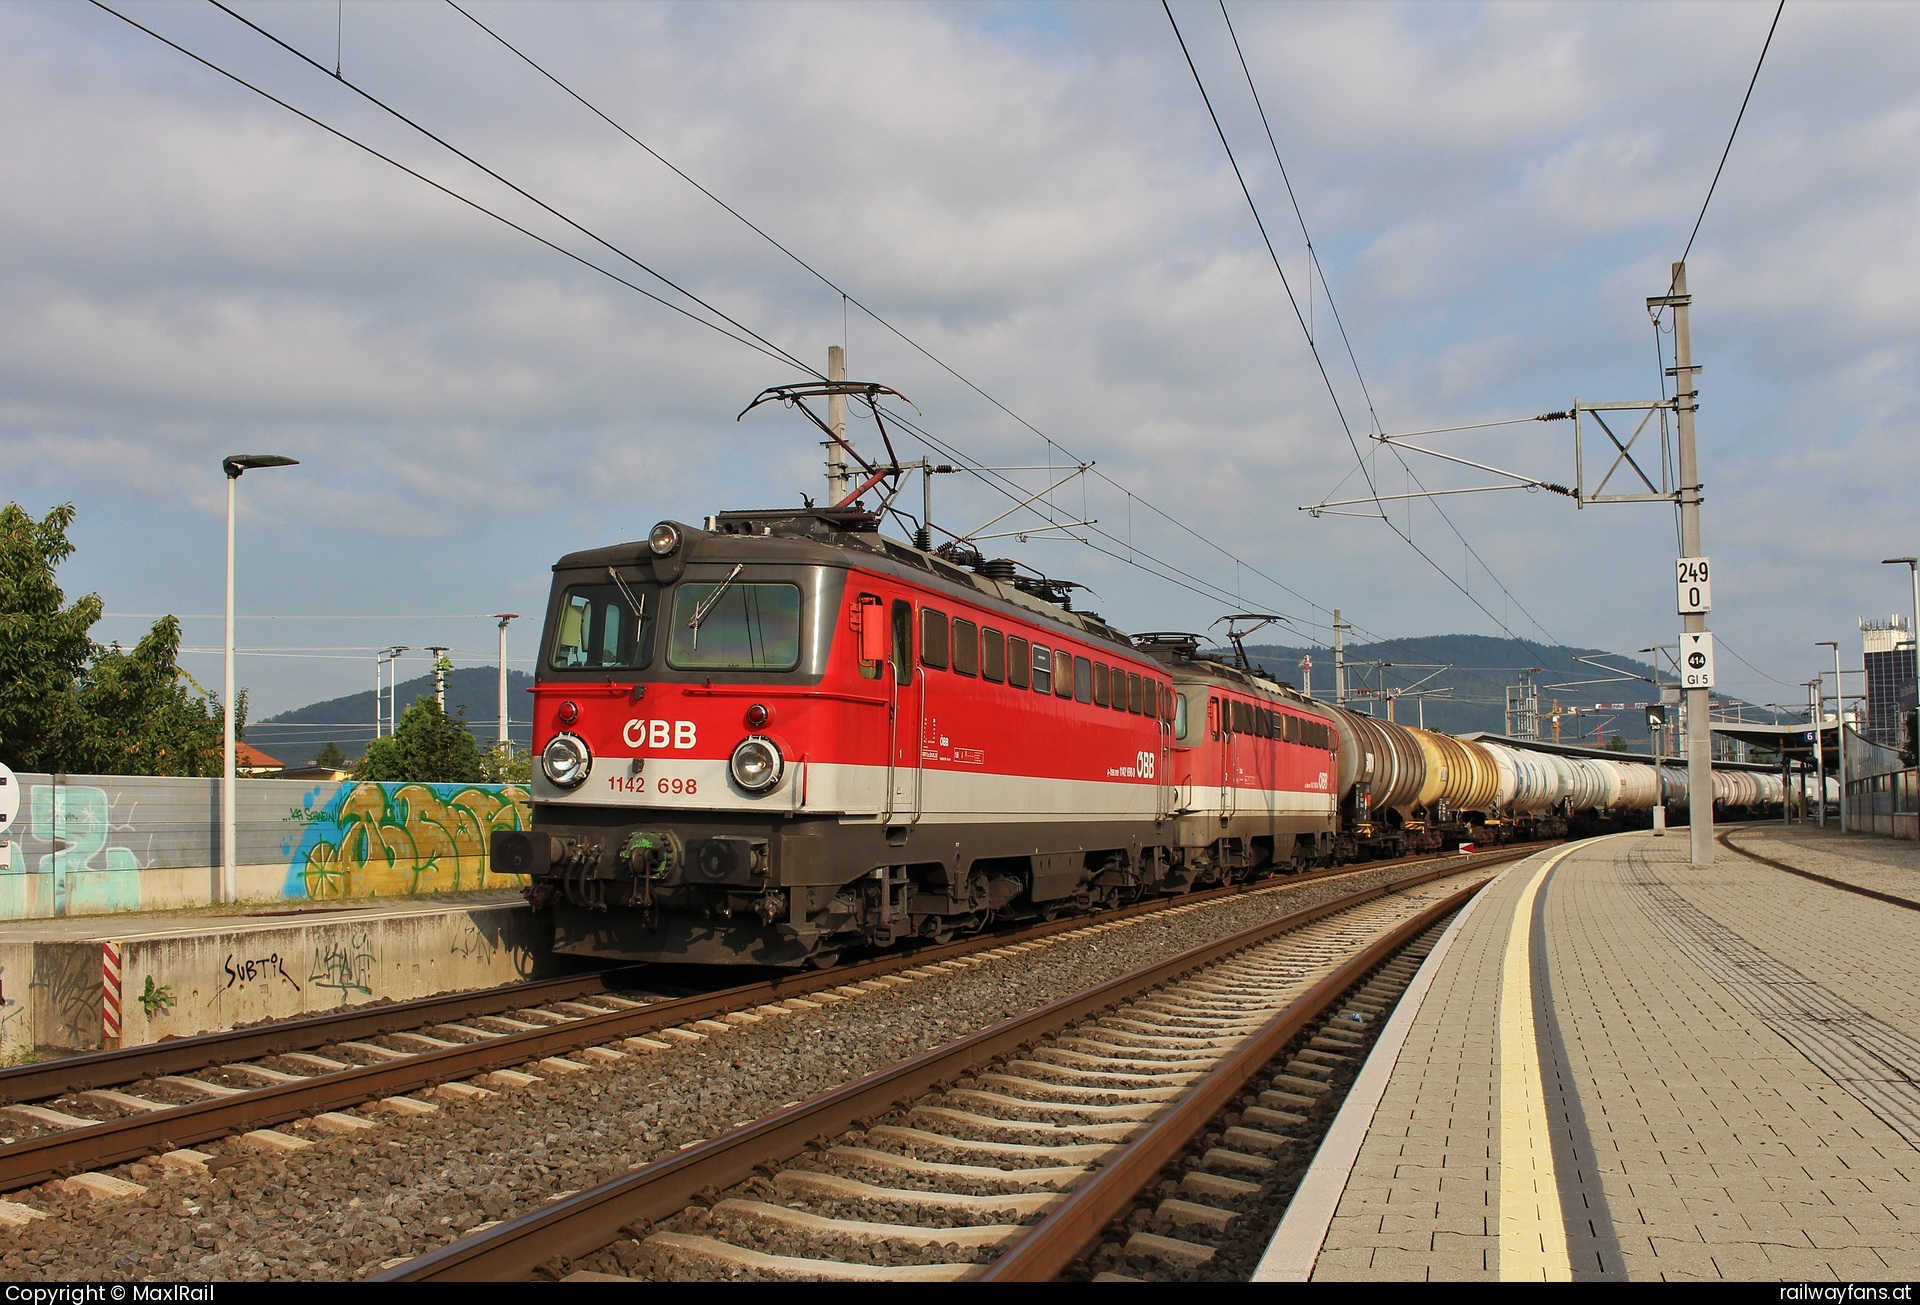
<point x="1913" y="566"/>
<point x="1839" y="726"/>
<point x="234" y="466"/>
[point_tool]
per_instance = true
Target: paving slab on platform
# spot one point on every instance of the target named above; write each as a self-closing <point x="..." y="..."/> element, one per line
<point x="1626" y="1067"/>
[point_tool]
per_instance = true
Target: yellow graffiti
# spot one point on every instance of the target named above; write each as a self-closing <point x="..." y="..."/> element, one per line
<point x="407" y="839"/>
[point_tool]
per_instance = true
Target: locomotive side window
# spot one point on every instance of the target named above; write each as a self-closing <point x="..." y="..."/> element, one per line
<point x="933" y="639"/>
<point x="1018" y="662"/>
<point x="1119" y="688"/>
<point x="1179" y="718"/>
<point x="1062" y="673"/>
<point x="1082" y="679"/>
<point x="993" y="655"/>
<point x="598" y="628"/>
<point x="1099" y="684"/>
<point x="1042" y="668"/>
<point x="735" y="627"/>
<point x="1164" y="710"/>
<point x="1216" y="719"/>
<point x="1133" y="695"/>
<point x="966" y="647"/>
<point x="902" y="641"/>
<point x="1241" y="723"/>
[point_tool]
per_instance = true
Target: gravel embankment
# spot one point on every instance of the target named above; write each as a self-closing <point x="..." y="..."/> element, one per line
<point x="342" y="1207"/>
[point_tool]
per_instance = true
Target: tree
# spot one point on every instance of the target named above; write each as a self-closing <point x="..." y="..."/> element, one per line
<point x="141" y="719"/>
<point x="331" y="756"/>
<point x="1618" y="743"/>
<point x="427" y="747"/>
<point x="69" y="705"/>
<point x="504" y="764"/>
<point x="1911" y="748"/>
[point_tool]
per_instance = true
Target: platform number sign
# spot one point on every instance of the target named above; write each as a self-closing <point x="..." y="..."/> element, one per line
<point x="1695" y="586"/>
<point x="1696" y="661"/>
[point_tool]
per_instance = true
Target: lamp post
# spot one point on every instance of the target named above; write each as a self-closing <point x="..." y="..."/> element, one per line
<point x="1839" y="727"/>
<point x="504" y="618"/>
<point x="1913" y="567"/>
<point x="234" y="466"/>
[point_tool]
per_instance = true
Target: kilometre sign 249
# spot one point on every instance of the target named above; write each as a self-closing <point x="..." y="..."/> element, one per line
<point x="1695" y="585"/>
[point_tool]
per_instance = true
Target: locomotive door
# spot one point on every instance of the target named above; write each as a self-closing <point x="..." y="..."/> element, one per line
<point x="905" y="708"/>
<point x="1229" y="789"/>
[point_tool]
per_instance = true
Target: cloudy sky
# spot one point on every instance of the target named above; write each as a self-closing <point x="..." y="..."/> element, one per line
<point x="1033" y="194"/>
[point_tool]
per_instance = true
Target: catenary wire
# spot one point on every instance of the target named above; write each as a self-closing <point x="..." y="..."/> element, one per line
<point x="1341" y="325"/>
<point x="848" y="298"/>
<point x="1314" y="347"/>
<point x="238" y="80"/>
<point x="451" y="148"/>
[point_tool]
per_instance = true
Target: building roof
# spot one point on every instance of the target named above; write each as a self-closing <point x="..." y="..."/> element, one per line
<point x="246" y="756"/>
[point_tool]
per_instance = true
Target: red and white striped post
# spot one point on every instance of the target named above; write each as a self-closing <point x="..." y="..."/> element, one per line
<point x="110" y="994"/>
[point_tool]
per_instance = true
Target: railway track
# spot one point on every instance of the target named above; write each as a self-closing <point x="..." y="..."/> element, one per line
<point x="1008" y="1153"/>
<point x="92" y="1111"/>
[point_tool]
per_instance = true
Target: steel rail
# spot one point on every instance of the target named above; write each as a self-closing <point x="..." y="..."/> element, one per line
<point x="584" y="1222"/>
<point x="105" y="1069"/>
<point x="177" y="1056"/>
<point x="1074" y="1226"/>
<point x="101" y="1069"/>
<point x="133" y="1137"/>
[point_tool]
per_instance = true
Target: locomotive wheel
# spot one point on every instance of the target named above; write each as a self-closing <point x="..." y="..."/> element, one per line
<point x="823" y="960"/>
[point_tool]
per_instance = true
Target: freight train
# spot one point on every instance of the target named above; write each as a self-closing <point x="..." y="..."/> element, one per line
<point x="785" y="735"/>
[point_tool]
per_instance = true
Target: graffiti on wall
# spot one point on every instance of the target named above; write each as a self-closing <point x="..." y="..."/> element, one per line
<point x="89" y="875"/>
<point x="376" y="839"/>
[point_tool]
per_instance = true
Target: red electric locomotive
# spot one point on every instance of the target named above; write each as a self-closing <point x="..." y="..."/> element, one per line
<point x="786" y="734"/>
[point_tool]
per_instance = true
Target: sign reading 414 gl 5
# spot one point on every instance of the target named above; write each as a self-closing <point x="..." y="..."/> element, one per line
<point x="1696" y="661"/>
<point x="1695" y="585"/>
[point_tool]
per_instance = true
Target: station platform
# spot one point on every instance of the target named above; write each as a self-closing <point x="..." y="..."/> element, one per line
<point x="1616" y="1066"/>
<point x="85" y="982"/>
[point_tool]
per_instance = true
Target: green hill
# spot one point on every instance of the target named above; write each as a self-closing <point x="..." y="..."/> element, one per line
<point x="1481" y="668"/>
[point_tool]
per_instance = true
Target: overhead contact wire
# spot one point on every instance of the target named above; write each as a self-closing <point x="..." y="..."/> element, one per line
<point x="777" y="355"/>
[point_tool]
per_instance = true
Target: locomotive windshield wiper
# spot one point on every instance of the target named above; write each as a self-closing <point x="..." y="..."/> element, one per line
<point x="638" y="607"/>
<point x="713" y="599"/>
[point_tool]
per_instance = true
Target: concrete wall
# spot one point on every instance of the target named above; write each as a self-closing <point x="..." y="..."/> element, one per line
<point x="95" y="844"/>
<point x="63" y="992"/>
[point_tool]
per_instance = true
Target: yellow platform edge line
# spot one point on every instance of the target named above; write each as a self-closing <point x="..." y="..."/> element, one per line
<point x="1533" y="1236"/>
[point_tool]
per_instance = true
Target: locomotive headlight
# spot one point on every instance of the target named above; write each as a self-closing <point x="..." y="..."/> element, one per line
<point x="756" y="764"/>
<point x="565" y="760"/>
<point x="664" y="539"/>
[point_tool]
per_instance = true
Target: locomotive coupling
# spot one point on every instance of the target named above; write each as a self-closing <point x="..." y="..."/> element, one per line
<point x="653" y="854"/>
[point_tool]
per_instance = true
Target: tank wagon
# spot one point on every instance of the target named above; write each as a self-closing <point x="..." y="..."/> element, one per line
<point x="784" y="735"/>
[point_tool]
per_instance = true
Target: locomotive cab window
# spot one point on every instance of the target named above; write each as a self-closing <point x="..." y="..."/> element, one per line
<point x="966" y="647"/>
<point x="902" y="641"/>
<point x="735" y="627"/>
<point x="608" y="627"/>
<point x="1180" y="718"/>
<point x="1018" y="662"/>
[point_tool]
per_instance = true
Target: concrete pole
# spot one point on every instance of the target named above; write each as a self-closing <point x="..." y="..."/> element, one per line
<point x="376" y="694"/>
<point x="1840" y="733"/>
<point x="439" y="675"/>
<point x="1339" y="660"/>
<point x="229" y="870"/>
<point x="1819" y="751"/>
<point x="839" y="476"/>
<point x="504" y="618"/>
<point x="1699" y="714"/>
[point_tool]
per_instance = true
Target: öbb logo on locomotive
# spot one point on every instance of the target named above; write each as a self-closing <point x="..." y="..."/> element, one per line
<point x="733" y="727"/>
